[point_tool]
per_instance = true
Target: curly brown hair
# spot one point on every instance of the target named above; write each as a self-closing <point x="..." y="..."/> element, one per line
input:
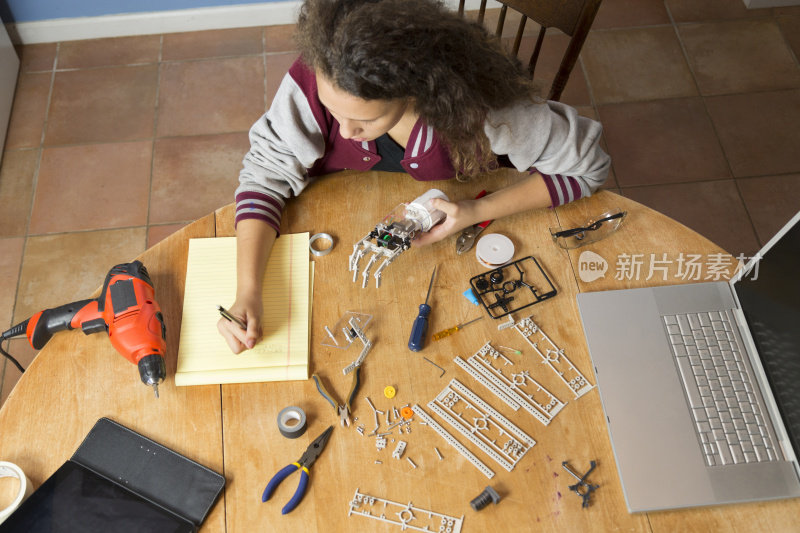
<point x="453" y="69"/>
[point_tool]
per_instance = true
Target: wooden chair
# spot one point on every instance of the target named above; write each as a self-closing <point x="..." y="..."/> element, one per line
<point x="573" y="17"/>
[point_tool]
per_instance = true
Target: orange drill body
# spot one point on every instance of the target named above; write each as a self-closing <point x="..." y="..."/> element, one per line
<point x="126" y="309"/>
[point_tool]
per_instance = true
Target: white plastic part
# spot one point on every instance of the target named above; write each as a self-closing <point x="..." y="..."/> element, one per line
<point x="406" y="516"/>
<point x="423" y="212"/>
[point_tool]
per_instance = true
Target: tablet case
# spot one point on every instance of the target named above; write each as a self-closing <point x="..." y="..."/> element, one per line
<point x="151" y="470"/>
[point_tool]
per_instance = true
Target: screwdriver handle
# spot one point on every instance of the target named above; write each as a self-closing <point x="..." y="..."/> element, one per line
<point x="444" y="333"/>
<point x="419" y="328"/>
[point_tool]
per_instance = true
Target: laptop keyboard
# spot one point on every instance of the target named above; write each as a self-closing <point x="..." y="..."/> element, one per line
<point x="719" y="388"/>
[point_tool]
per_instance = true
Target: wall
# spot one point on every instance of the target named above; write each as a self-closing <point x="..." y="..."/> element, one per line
<point x="46" y="21"/>
<point x="30" y="10"/>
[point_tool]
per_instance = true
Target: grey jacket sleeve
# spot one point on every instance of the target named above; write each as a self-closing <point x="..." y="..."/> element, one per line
<point x="554" y="139"/>
<point x="284" y="144"/>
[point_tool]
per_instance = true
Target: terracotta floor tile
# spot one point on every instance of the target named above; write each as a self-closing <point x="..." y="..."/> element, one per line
<point x="694" y="11"/>
<point x="102" y="105"/>
<point x="10" y="261"/>
<point x="790" y="25"/>
<point x="26" y="124"/>
<point x="279" y="38"/>
<point x="22" y="351"/>
<point x="771" y="202"/>
<point x="83" y="260"/>
<point x="625" y="13"/>
<point x="664" y="141"/>
<point x="277" y="67"/>
<point x="576" y="93"/>
<point x="636" y="64"/>
<point x="37" y="57"/>
<point x="206" y="165"/>
<point x="712" y="209"/>
<point x="118" y="51"/>
<point x="739" y="56"/>
<point x="590" y="112"/>
<point x="156" y="234"/>
<point x="92" y="186"/>
<point x="758" y="131"/>
<point x="17" y="178"/>
<point x="212" y="43"/>
<point x="214" y="96"/>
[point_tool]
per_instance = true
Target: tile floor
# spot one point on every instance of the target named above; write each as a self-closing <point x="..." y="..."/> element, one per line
<point x="700" y="103"/>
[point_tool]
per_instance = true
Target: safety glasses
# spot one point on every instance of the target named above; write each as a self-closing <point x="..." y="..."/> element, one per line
<point x="593" y="230"/>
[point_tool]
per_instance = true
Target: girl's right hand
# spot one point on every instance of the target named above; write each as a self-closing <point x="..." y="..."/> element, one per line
<point x="249" y="310"/>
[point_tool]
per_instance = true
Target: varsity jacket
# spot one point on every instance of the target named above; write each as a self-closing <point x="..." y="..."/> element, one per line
<point x="298" y="140"/>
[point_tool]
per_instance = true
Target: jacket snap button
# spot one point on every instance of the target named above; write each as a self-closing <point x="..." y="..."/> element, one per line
<point x="414" y="165"/>
<point x="366" y="158"/>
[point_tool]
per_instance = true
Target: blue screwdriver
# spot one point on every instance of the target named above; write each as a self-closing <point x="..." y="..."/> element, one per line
<point x="421" y="322"/>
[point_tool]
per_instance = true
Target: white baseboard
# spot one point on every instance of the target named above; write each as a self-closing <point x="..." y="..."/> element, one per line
<point x="155" y="22"/>
<point x="181" y="20"/>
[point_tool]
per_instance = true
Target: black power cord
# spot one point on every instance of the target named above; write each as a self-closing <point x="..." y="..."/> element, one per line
<point x="11" y="358"/>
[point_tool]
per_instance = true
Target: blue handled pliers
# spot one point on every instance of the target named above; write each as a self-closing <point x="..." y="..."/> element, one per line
<point x="303" y="464"/>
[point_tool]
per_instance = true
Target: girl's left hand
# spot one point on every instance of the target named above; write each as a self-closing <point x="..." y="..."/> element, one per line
<point x="459" y="216"/>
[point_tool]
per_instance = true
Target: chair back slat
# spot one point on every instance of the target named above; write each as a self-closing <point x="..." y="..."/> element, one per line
<point x="573" y="17"/>
<point x="520" y="32"/>
<point x="536" y="50"/>
<point x="481" y="11"/>
<point x="501" y="20"/>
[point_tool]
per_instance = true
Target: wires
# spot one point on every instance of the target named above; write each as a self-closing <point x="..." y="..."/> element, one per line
<point x="11" y="358"/>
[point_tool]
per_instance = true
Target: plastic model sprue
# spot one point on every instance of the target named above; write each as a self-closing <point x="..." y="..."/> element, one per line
<point x="392" y="236"/>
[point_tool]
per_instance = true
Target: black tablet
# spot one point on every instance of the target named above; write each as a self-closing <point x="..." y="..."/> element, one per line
<point x="76" y="500"/>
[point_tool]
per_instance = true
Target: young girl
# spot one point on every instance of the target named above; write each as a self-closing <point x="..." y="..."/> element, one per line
<point x="402" y="86"/>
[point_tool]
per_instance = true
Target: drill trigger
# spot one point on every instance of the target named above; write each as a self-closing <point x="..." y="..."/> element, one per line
<point x="98" y="325"/>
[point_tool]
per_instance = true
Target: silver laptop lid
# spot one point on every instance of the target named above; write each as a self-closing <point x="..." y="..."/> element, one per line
<point x="768" y="292"/>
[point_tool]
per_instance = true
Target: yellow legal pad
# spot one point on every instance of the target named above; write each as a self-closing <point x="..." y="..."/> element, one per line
<point x="282" y="354"/>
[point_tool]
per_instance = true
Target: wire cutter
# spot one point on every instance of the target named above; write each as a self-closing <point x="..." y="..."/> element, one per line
<point x="467" y="238"/>
<point x="342" y="410"/>
<point x="303" y="464"/>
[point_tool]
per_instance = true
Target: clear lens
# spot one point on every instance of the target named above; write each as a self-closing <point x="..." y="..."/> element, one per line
<point x="593" y="230"/>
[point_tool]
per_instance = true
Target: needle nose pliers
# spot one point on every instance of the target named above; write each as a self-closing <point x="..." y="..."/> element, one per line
<point x="303" y="464"/>
<point x="342" y="410"/>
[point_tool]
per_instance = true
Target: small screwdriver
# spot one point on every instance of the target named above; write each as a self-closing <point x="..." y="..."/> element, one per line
<point x="421" y="322"/>
<point x="449" y="331"/>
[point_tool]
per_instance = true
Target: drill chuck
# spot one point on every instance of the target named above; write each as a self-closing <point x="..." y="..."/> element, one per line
<point x="152" y="370"/>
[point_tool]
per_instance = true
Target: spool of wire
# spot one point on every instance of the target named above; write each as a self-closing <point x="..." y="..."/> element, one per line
<point x="494" y="250"/>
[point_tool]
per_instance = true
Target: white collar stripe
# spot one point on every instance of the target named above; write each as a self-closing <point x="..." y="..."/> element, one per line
<point x="415" y="151"/>
<point x="429" y="140"/>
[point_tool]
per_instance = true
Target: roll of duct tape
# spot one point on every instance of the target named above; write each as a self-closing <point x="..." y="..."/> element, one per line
<point x="289" y="414"/>
<point x="25" y="487"/>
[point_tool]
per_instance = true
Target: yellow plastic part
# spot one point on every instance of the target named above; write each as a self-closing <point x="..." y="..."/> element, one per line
<point x="389" y="391"/>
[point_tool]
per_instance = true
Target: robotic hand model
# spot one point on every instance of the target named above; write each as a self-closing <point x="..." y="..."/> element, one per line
<point x="393" y="235"/>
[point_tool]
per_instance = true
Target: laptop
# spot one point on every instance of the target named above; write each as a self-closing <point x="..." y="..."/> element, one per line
<point x="700" y="383"/>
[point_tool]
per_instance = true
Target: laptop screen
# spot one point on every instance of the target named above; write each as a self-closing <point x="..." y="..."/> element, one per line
<point x="770" y="299"/>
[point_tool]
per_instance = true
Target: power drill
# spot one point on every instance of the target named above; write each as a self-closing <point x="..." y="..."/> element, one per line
<point x="126" y="309"/>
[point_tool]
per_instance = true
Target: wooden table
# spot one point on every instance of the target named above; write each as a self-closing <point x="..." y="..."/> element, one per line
<point x="232" y="428"/>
